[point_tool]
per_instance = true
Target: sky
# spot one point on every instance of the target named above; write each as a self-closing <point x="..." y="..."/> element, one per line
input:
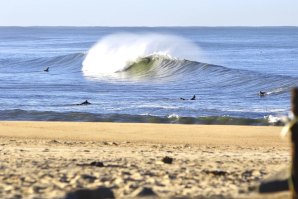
<point x="148" y="12"/>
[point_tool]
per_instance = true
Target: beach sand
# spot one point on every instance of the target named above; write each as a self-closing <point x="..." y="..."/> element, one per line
<point x="50" y="159"/>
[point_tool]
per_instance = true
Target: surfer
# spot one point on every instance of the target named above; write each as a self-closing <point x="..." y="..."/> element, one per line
<point x="85" y="103"/>
<point x="262" y="93"/>
<point x="193" y="98"/>
<point x="47" y="69"/>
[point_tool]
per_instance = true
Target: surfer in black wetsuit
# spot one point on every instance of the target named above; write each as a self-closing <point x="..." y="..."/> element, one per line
<point x="262" y="93"/>
<point x="85" y="103"/>
<point x="193" y="98"/>
<point x="47" y="69"/>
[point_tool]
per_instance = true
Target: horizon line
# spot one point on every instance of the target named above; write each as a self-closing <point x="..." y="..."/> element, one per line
<point x="236" y="26"/>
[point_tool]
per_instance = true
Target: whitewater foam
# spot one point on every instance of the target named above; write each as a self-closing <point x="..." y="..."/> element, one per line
<point x="276" y="120"/>
<point x="116" y="52"/>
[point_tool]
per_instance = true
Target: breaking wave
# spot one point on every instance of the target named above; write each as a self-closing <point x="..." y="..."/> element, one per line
<point x="120" y="52"/>
<point x="30" y="115"/>
<point x="163" y="57"/>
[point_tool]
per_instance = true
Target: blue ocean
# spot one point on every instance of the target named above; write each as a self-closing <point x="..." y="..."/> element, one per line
<point x="148" y="74"/>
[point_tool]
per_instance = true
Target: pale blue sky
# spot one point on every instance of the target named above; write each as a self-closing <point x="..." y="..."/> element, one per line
<point x="148" y="12"/>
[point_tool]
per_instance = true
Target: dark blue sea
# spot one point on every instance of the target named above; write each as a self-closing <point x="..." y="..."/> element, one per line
<point x="142" y="74"/>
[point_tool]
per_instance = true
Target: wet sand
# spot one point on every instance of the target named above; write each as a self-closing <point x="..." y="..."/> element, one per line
<point x="50" y="159"/>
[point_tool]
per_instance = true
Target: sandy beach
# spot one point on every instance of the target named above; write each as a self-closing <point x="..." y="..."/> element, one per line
<point x="51" y="159"/>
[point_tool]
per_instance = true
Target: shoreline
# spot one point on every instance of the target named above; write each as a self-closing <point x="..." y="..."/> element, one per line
<point x="51" y="159"/>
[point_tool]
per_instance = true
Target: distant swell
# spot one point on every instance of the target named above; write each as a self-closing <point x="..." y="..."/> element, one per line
<point x="68" y="62"/>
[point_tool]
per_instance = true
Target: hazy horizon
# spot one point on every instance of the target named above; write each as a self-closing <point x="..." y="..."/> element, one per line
<point x="140" y="26"/>
<point x="154" y="13"/>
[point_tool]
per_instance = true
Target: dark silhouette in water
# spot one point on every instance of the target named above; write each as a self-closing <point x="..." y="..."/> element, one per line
<point x="85" y="103"/>
<point x="262" y="93"/>
<point x="47" y="69"/>
<point x="193" y="98"/>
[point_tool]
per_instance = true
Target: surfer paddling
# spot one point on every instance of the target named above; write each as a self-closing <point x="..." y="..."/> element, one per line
<point x="193" y="98"/>
<point x="84" y="103"/>
<point x="262" y="93"/>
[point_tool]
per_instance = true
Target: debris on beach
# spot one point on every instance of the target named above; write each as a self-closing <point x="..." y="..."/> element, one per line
<point x="216" y="172"/>
<point x="53" y="142"/>
<point x="145" y="192"/>
<point x="97" y="164"/>
<point x="167" y="160"/>
<point x="99" y="193"/>
<point x="276" y="182"/>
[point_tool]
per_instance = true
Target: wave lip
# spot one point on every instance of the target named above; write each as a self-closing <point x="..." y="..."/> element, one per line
<point x="117" y="52"/>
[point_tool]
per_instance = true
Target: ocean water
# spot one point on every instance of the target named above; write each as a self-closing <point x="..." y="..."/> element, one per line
<point x="140" y="74"/>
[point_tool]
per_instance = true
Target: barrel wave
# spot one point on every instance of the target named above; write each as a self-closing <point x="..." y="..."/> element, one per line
<point x="138" y="52"/>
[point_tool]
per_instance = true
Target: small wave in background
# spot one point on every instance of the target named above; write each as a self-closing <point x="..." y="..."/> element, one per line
<point x="22" y="115"/>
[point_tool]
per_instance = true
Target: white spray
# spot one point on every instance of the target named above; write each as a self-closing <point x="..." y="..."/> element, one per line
<point x="113" y="53"/>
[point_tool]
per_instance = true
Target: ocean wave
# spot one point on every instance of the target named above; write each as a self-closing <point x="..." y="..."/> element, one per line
<point x="154" y="58"/>
<point x="116" y="52"/>
<point x="162" y="68"/>
<point x="32" y="115"/>
<point x="70" y="62"/>
<point x="162" y="58"/>
<point x="158" y="66"/>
